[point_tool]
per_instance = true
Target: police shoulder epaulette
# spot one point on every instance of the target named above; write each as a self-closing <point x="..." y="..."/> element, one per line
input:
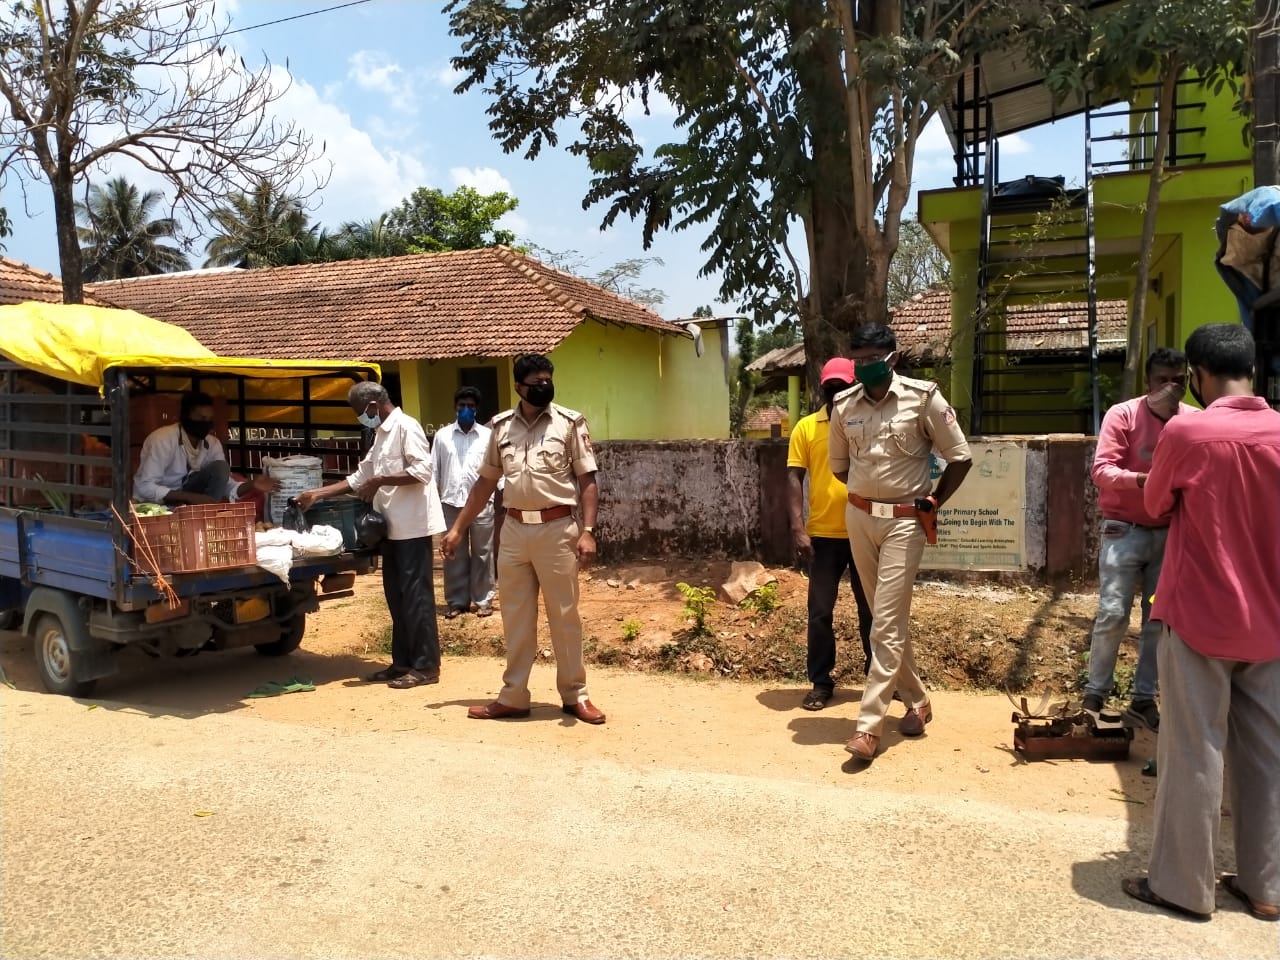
<point x="851" y="391"/>
<point x="573" y="415"/>
<point x="504" y="415"/>
<point x="927" y="386"/>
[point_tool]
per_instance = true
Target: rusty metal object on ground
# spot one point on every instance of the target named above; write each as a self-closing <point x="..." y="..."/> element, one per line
<point x="1067" y="731"/>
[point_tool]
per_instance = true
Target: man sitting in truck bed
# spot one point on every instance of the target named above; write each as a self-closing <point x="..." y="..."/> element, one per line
<point x="183" y="462"/>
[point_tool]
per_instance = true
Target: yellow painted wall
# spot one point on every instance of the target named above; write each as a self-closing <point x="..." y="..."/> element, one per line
<point x="631" y="384"/>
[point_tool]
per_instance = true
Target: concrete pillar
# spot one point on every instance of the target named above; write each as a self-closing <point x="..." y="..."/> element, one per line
<point x="793" y="401"/>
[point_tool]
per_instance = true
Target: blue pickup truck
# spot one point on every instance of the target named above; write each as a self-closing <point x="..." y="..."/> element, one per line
<point x="69" y="577"/>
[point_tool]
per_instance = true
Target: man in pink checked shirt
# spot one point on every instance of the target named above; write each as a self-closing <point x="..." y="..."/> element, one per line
<point x="1132" y="538"/>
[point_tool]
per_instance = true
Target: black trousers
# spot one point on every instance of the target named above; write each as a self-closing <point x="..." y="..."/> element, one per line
<point x="831" y="559"/>
<point x="411" y="600"/>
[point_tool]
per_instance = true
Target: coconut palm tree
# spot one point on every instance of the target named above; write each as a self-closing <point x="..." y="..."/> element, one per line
<point x="366" y="239"/>
<point x="119" y="238"/>
<point x="263" y="228"/>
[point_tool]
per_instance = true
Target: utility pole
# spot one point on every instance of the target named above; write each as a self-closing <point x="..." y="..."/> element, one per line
<point x="1266" y="93"/>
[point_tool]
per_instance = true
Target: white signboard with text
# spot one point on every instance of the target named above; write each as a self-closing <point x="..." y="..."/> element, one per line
<point x="983" y="527"/>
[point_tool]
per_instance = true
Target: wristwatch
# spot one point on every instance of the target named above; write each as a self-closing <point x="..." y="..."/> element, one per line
<point x="590" y="530"/>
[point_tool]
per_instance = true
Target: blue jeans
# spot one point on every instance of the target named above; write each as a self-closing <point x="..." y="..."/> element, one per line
<point x="1130" y="554"/>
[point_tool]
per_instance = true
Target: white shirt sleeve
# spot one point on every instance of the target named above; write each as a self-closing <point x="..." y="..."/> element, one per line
<point x="147" y="487"/>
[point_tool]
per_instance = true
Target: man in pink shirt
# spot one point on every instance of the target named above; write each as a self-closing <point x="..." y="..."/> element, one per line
<point x="1216" y="474"/>
<point x="1132" y="538"/>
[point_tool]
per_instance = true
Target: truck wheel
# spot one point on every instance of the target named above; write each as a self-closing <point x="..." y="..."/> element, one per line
<point x="290" y="638"/>
<point x="55" y="660"/>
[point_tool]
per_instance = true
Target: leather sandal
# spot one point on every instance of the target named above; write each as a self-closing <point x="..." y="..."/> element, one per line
<point x="1140" y="889"/>
<point x="1263" y="911"/>
<point x="414" y="678"/>
<point x="386" y="673"/>
<point x="817" y="698"/>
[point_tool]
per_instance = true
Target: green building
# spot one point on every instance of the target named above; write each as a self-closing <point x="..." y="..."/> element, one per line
<point x="1040" y="240"/>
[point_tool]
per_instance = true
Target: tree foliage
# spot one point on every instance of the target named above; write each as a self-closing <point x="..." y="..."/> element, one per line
<point x="121" y="238"/>
<point x="791" y="111"/>
<point x="918" y="264"/>
<point x="366" y="240"/>
<point x="621" y="277"/>
<point x="90" y="82"/>
<point x="430" y="220"/>
<point x="1122" y="52"/>
<point x="263" y="228"/>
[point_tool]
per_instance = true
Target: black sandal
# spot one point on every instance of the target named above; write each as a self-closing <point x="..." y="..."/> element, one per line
<point x="1140" y="889"/>
<point x="385" y="674"/>
<point x="817" y="698"/>
<point x="414" y="678"/>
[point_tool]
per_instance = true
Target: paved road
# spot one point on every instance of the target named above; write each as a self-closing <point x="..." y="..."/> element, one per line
<point x="433" y="835"/>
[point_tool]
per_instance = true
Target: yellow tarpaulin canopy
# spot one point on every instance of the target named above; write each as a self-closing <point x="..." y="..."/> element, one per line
<point x="81" y="343"/>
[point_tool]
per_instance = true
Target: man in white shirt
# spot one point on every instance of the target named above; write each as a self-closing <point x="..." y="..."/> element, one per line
<point x="183" y="462"/>
<point x="457" y="452"/>
<point x="396" y="476"/>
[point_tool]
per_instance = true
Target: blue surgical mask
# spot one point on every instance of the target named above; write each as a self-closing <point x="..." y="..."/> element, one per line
<point x="371" y="422"/>
<point x="466" y="417"/>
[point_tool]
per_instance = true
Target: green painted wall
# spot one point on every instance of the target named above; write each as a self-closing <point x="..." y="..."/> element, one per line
<point x="631" y="384"/>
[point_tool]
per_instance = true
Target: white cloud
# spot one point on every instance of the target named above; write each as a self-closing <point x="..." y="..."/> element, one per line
<point x="448" y="76"/>
<point x="481" y="179"/>
<point x="366" y="179"/>
<point x="1013" y="144"/>
<point x="375" y="71"/>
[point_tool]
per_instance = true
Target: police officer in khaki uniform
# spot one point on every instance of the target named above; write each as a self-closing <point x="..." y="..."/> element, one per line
<point x="543" y="452"/>
<point x="882" y="432"/>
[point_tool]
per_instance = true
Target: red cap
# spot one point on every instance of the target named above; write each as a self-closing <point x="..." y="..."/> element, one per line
<point x="838" y="368"/>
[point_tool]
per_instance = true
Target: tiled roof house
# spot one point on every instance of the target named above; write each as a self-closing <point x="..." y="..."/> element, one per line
<point x="442" y="320"/>
<point x="22" y="283"/>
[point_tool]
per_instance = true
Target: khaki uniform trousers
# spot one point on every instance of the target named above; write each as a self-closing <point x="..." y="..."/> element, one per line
<point x="887" y="553"/>
<point x="1215" y="715"/>
<point x="535" y="556"/>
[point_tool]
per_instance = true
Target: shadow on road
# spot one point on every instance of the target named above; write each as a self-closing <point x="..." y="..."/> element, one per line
<point x="192" y="686"/>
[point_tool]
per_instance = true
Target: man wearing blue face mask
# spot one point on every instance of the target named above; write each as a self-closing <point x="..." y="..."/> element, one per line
<point x="396" y="477"/>
<point x="457" y="452"/>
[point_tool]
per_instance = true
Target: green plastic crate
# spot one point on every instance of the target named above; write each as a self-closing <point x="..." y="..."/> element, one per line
<point x="339" y="513"/>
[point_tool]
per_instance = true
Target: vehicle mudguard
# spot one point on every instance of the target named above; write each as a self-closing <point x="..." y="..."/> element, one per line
<point x="93" y="658"/>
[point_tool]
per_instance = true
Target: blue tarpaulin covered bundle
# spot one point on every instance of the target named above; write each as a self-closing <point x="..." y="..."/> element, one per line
<point x="1247" y="252"/>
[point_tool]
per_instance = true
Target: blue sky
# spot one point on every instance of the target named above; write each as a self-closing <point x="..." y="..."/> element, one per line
<point x="373" y="82"/>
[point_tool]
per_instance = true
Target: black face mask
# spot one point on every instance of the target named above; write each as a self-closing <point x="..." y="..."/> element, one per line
<point x="197" y="429"/>
<point x="540" y="394"/>
<point x="1195" y="394"/>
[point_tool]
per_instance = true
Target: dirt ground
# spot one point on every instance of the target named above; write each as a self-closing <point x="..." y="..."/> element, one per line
<point x="980" y="637"/>
<point x="742" y="687"/>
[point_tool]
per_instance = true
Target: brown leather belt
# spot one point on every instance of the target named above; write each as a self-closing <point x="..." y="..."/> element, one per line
<point x="885" y="511"/>
<point x="540" y="516"/>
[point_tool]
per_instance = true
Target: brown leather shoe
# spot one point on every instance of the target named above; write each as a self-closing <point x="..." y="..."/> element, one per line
<point x="912" y="725"/>
<point x="497" y="710"/>
<point x="863" y="745"/>
<point x="584" y="710"/>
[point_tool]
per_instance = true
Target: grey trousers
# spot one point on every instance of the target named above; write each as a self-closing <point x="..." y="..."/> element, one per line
<point x="468" y="577"/>
<point x="1215" y="712"/>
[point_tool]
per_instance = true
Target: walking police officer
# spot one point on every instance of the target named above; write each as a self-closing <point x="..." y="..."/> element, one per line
<point x="883" y="430"/>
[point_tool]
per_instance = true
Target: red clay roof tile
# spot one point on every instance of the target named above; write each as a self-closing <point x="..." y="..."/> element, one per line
<point x="21" y="282"/>
<point x="489" y="302"/>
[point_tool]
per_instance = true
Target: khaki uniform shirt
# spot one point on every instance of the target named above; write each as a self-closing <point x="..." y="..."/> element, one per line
<point x="885" y="445"/>
<point x="538" y="461"/>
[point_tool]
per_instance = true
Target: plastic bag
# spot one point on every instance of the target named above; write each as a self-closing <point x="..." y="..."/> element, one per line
<point x="275" y="558"/>
<point x="293" y="518"/>
<point x="371" y="527"/>
<point x="321" y="541"/>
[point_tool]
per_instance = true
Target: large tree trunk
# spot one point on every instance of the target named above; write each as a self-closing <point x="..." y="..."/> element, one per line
<point x="64" y="215"/>
<point x="1137" y="318"/>
<point x="837" y="259"/>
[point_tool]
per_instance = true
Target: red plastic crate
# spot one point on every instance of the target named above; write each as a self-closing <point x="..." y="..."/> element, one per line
<point x="162" y="537"/>
<point x="212" y="536"/>
<point x="217" y="535"/>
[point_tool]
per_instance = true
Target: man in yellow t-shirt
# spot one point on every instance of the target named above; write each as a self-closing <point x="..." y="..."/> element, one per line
<point x="823" y="541"/>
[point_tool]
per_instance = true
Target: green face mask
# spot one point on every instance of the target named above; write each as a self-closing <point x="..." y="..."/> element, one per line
<point x="872" y="373"/>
